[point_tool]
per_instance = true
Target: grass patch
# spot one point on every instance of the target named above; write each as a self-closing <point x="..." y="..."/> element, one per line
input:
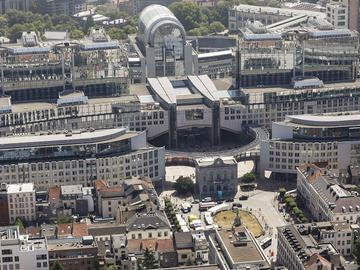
<point x="225" y="219"/>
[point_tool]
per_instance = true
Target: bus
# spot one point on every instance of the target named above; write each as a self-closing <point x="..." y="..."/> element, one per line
<point x="266" y="242"/>
<point x="204" y="206"/>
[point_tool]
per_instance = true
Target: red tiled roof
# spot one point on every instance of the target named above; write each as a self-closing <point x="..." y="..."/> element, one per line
<point x="315" y="260"/>
<point x="160" y="245"/>
<point x="54" y="194"/>
<point x="100" y="184"/>
<point x="64" y="229"/>
<point x="80" y="229"/>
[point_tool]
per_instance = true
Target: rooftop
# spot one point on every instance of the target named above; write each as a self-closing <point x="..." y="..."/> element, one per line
<point x="69" y="138"/>
<point x="71" y="189"/>
<point x="215" y="161"/>
<point x="20" y="188"/>
<point x="240" y="246"/>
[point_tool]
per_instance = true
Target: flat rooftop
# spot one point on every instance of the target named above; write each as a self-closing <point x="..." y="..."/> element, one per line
<point x="246" y="252"/>
<point x="330" y="86"/>
<point x="20" y="188"/>
<point x="325" y="120"/>
<point x="88" y="137"/>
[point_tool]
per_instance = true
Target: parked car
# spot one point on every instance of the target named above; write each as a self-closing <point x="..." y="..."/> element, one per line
<point x="195" y="201"/>
<point x="238" y="205"/>
<point x="243" y="197"/>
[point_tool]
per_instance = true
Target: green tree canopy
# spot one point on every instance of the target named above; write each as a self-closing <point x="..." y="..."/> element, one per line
<point x="116" y="33"/>
<point x="149" y="261"/>
<point x="248" y="178"/>
<point x="20" y="223"/>
<point x="57" y="266"/>
<point x="189" y="14"/>
<point x="282" y="192"/>
<point x="76" y="34"/>
<point x="216" y="27"/>
<point x="184" y="185"/>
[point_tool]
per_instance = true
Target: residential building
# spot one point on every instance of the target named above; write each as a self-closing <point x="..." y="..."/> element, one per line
<point x="70" y="194"/>
<point x="4" y="206"/>
<point x="298" y="250"/>
<point x="58" y="159"/>
<point x="20" y="252"/>
<point x="311" y="138"/>
<point x="216" y="177"/>
<point x="324" y="197"/>
<point x="73" y="253"/>
<point x="163" y="250"/>
<point x="126" y="199"/>
<point x="151" y="225"/>
<point x="191" y="247"/>
<point x="21" y="202"/>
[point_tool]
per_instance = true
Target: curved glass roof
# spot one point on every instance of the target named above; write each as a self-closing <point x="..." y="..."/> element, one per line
<point x="154" y="16"/>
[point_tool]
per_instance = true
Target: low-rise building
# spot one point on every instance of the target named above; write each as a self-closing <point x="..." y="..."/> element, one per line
<point x="191" y="247"/>
<point x="216" y="177"/>
<point x="324" y="197"/>
<point x="124" y="200"/>
<point x="73" y="253"/>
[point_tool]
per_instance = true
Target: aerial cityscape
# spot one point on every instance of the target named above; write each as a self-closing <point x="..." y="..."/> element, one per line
<point x="179" y="134"/>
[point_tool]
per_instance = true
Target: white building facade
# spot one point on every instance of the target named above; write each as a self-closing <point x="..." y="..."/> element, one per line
<point x="21" y="202"/>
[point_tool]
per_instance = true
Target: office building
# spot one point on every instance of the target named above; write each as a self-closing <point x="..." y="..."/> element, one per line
<point x="328" y="200"/>
<point x="67" y="7"/>
<point x="23" y="5"/>
<point x="162" y="45"/>
<point x="337" y="14"/>
<point x="216" y="177"/>
<point x="329" y="138"/>
<point x="79" y="158"/>
<point x="20" y="252"/>
<point x="241" y="14"/>
<point x="36" y="70"/>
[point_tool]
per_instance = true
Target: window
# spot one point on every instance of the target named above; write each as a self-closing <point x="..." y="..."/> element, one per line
<point x="183" y="256"/>
<point x="6" y="252"/>
<point x="38" y="265"/>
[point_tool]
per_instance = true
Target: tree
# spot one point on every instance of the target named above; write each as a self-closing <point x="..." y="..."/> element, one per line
<point x="20" y="223"/>
<point x="57" y="266"/>
<point x="62" y="219"/>
<point x="76" y="34"/>
<point x="184" y="185"/>
<point x="282" y="192"/>
<point x="216" y="27"/>
<point x="116" y="33"/>
<point x="248" y="178"/>
<point x="149" y="261"/>
<point x="189" y="14"/>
